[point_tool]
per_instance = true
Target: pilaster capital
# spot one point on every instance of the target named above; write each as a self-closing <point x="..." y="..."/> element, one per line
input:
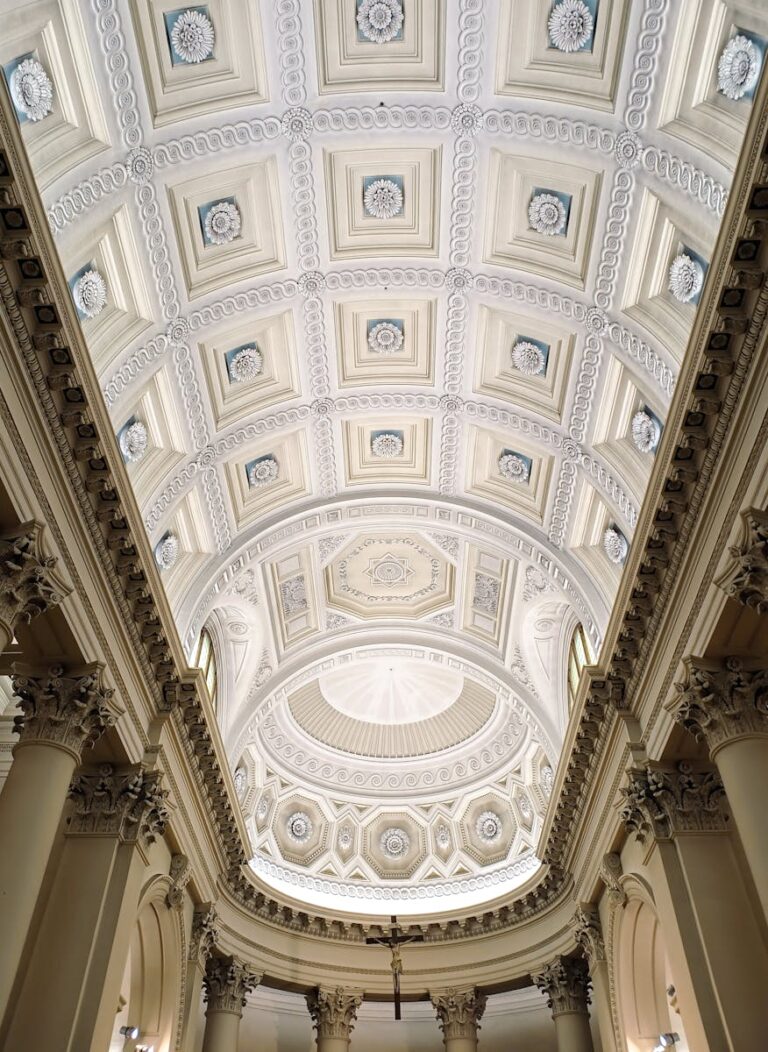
<point x="746" y="581"/>
<point x="566" y="983"/>
<point x="459" y="1012"/>
<point x="611" y="872"/>
<point x="333" y="1012"/>
<point x="180" y="874"/>
<point x="720" y="702"/>
<point x="665" y="801"/>
<point x="588" y="932"/>
<point x="28" y="582"/>
<point x="226" y="984"/>
<point x="70" y="708"/>
<point x="126" y="802"/>
<point x="204" y="934"/>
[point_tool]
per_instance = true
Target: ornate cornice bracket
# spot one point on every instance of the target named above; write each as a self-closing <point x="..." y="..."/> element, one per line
<point x="204" y="934"/>
<point x="720" y="702"/>
<point x="611" y="872"/>
<point x="227" y="983"/>
<point x="566" y="983"/>
<point x="664" y="801"/>
<point x="70" y="708"/>
<point x="459" y="1012"/>
<point x="746" y="579"/>
<point x="588" y="933"/>
<point x="333" y="1012"/>
<point x="29" y="584"/>
<point x="124" y="802"/>
<point x="180" y="874"/>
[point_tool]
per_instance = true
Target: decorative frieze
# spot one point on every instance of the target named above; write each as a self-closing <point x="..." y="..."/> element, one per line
<point x="566" y="983"/>
<point x="204" y="934"/>
<point x="180" y="873"/>
<point x="459" y="1012"/>
<point x="126" y="802"/>
<point x="589" y="933"/>
<point x="718" y="703"/>
<point x="67" y="708"/>
<point x="747" y="581"/>
<point x="333" y="1012"/>
<point x="664" y="801"/>
<point x="27" y="583"/>
<point x="227" y="983"/>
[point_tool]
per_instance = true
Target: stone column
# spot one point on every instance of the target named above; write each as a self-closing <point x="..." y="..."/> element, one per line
<point x="82" y="943"/>
<point x="589" y="935"/>
<point x="459" y="1013"/>
<point x="333" y="1014"/>
<point x="227" y="982"/>
<point x="63" y="712"/>
<point x="726" y="706"/>
<point x="566" y="983"/>
<point x="202" y="939"/>
<point x="717" y="955"/>
<point x="28" y="584"/>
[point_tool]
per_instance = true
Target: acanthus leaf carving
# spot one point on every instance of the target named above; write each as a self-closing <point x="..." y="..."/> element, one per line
<point x="126" y="802"/>
<point x="565" y="982"/>
<point x="663" y="801"/>
<point x="227" y="983"/>
<point x="747" y="580"/>
<point x="204" y="934"/>
<point x="333" y="1012"/>
<point x="720" y="702"/>
<point x="589" y="933"/>
<point x="459" y="1012"/>
<point x="29" y="586"/>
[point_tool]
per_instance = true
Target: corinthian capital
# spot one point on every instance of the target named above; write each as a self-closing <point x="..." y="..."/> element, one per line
<point x="589" y="933"/>
<point x="566" y="984"/>
<point x="459" y="1012"/>
<point x="125" y="802"/>
<point x="28" y="584"/>
<point x="664" y="801"/>
<point x="720" y="702"/>
<point x="333" y="1011"/>
<point x="227" y="983"/>
<point x="67" y="707"/>
<point x="747" y="580"/>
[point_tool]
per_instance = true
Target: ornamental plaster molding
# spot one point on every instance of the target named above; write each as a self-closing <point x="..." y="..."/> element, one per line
<point x="565" y="982"/>
<point x="86" y="194"/>
<point x="459" y="1012"/>
<point x="68" y="708"/>
<point x="333" y="1012"/>
<point x="561" y="504"/>
<point x="118" y="68"/>
<point x="471" y="25"/>
<point x="613" y="239"/>
<point x="293" y="85"/>
<point x="611" y="872"/>
<point x="204" y="934"/>
<point x="227" y="983"/>
<point x="29" y="584"/>
<point x="180" y="874"/>
<point x="125" y="802"/>
<point x="746" y="579"/>
<point x="585" y="386"/>
<point x="720" y="703"/>
<point x="588" y="932"/>
<point x="665" y="801"/>
<point x="646" y="58"/>
<point x="304" y="207"/>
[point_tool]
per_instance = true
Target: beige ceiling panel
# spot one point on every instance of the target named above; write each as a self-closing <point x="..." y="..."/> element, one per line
<point x="498" y="332"/>
<point x="233" y="75"/>
<point x="511" y="241"/>
<point x="75" y="129"/>
<point x="484" y="477"/>
<point x="412" y="231"/>
<point x="412" y="464"/>
<point x="488" y="587"/>
<point x="402" y="352"/>
<point x="251" y="503"/>
<point x="292" y="584"/>
<point x="590" y="518"/>
<point x="259" y="247"/>
<point x="347" y="61"/>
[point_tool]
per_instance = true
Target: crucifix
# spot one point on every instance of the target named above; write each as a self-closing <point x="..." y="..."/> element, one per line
<point x="394" y="942"/>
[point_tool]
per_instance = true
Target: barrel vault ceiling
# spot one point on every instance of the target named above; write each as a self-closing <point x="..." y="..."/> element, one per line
<point x="387" y="299"/>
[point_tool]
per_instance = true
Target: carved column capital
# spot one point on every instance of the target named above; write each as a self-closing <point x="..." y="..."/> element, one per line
<point x="721" y="702"/>
<point x="204" y="934"/>
<point x="664" y="801"/>
<point x="227" y="983"/>
<point x="611" y="872"/>
<point x="333" y="1012"/>
<point x="180" y="874"/>
<point x="28" y="584"/>
<point x="70" y="708"/>
<point x="566" y="984"/>
<point x="459" y="1012"/>
<point x="589" y="933"/>
<point x="126" y="802"/>
<point x="747" y="579"/>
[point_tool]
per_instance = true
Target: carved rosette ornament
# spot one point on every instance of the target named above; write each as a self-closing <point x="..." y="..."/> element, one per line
<point x="747" y="582"/>
<point x="204" y="934"/>
<point x="227" y="983"/>
<point x="68" y="709"/>
<point x="27" y="584"/>
<point x="566" y="984"/>
<point x="664" y="801"/>
<point x="718" y="703"/>
<point x="459" y="1012"/>
<point x="589" y="933"/>
<point x="126" y="802"/>
<point x="333" y="1012"/>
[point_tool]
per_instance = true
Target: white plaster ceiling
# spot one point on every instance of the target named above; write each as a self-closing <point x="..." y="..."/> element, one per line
<point x="313" y="559"/>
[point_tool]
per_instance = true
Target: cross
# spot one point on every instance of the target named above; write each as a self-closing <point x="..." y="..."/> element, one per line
<point x="394" y="942"/>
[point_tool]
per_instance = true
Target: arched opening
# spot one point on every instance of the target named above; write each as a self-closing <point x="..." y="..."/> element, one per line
<point x="579" y="656"/>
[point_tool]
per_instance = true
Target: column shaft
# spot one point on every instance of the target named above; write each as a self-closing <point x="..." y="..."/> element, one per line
<point x="332" y="1044"/>
<point x="601" y="997"/>
<point x="460" y="1044"/>
<point x="227" y="983"/>
<point x="573" y="1032"/>
<point x="743" y="768"/>
<point x="222" y="1030"/>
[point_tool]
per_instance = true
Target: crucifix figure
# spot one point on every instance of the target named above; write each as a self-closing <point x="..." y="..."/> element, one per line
<point x="394" y="942"/>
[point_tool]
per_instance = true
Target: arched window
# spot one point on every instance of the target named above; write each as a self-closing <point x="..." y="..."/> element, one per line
<point x="205" y="658"/>
<point x="579" y="655"/>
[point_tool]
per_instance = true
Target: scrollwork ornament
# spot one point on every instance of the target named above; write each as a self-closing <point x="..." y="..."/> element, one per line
<point x="459" y="1012"/>
<point x="611" y="872"/>
<point x="71" y="709"/>
<point x="719" y="703"/>
<point x="663" y="801"/>
<point x="333" y="1012"/>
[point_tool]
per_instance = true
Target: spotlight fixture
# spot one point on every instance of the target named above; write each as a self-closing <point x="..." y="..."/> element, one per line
<point x="129" y="1031"/>
<point x="666" y="1041"/>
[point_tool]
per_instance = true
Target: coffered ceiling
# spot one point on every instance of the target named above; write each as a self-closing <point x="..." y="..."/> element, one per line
<point x="388" y="299"/>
